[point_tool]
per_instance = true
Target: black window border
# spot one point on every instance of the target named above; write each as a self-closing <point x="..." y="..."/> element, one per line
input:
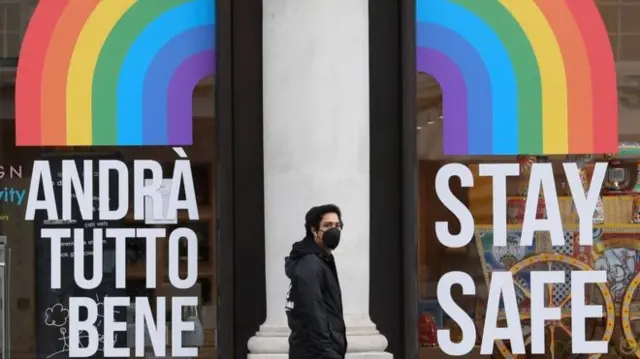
<point x="239" y="178"/>
<point x="394" y="195"/>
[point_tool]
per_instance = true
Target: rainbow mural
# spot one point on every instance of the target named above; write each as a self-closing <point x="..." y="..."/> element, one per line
<point x="113" y="72"/>
<point x="520" y="76"/>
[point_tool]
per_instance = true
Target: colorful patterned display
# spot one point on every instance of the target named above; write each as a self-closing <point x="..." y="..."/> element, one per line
<point x="521" y="260"/>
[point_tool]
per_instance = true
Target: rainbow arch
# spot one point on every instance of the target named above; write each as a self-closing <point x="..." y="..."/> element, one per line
<point x="520" y="76"/>
<point x="113" y="72"/>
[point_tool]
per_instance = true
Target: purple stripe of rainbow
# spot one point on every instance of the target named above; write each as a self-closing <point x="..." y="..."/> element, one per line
<point x="158" y="125"/>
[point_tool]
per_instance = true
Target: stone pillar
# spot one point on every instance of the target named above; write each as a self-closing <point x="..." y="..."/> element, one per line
<point x="316" y="151"/>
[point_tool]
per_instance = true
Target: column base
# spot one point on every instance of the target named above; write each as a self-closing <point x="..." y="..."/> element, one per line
<point x="369" y="355"/>
<point x="270" y="340"/>
<point x="364" y="342"/>
<point x="372" y="355"/>
<point x="268" y="356"/>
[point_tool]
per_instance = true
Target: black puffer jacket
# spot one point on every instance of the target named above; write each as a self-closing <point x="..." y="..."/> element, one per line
<point x="315" y="304"/>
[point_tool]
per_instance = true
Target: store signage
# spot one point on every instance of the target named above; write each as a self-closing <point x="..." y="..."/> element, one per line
<point x="10" y="195"/>
<point x="82" y="239"/>
<point x="520" y="77"/>
<point x="10" y="172"/>
<point x="112" y="73"/>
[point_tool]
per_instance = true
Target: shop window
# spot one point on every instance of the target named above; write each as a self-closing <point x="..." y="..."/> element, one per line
<point x="616" y="220"/>
<point x="26" y="305"/>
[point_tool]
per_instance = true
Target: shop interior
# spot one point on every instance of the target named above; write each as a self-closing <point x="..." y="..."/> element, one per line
<point x="616" y="247"/>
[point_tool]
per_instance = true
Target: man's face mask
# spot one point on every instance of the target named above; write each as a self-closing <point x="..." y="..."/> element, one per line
<point x="331" y="238"/>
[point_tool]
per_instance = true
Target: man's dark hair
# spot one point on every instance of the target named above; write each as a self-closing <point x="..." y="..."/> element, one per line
<point x="315" y="214"/>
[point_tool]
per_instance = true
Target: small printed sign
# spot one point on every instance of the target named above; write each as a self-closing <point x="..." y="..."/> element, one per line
<point x="165" y="190"/>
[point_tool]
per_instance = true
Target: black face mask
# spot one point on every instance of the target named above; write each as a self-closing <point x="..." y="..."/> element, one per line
<point x="331" y="238"/>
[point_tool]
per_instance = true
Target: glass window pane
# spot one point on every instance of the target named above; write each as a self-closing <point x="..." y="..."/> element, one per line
<point x="616" y="217"/>
<point x="32" y="300"/>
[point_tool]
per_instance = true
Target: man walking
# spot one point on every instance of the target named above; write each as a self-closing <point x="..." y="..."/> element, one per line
<point x="314" y="308"/>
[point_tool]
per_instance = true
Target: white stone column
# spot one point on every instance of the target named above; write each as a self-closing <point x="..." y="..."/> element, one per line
<point x="316" y="151"/>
